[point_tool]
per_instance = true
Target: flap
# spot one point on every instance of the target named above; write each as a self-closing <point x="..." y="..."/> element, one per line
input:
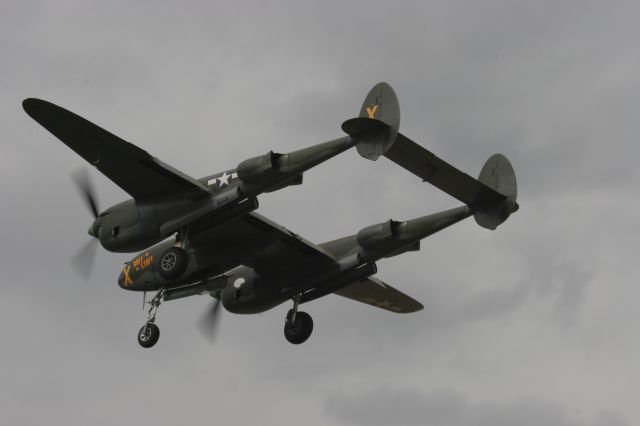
<point x="374" y="292"/>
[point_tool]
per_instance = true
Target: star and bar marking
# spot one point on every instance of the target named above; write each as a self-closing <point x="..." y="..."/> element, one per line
<point x="224" y="179"/>
<point x="384" y="304"/>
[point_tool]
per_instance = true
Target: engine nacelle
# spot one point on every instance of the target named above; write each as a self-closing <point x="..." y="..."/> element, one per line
<point x="246" y="292"/>
<point x="378" y="236"/>
<point x="126" y="228"/>
<point x="257" y="169"/>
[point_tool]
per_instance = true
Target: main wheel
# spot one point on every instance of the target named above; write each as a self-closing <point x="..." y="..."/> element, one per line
<point x="148" y="335"/>
<point x="299" y="331"/>
<point x="173" y="263"/>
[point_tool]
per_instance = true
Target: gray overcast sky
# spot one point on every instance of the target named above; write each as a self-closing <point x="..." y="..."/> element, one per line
<point x="534" y="324"/>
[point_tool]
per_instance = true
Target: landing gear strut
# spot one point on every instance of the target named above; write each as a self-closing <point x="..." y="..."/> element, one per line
<point x="298" y="325"/>
<point x="150" y="333"/>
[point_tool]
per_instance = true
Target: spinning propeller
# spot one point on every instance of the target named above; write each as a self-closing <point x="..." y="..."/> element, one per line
<point x="83" y="261"/>
<point x="208" y="324"/>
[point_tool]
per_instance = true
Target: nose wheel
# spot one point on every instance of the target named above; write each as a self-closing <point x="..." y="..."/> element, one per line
<point x="298" y="325"/>
<point x="148" y="335"/>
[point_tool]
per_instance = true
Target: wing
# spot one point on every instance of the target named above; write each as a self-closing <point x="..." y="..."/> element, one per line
<point x="131" y="168"/>
<point x="374" y="292"/>
<point x="255" y="241"/>
<point x="439" y="173"/>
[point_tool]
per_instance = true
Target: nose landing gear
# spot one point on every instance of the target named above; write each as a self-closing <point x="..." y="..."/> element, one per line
<point x="150" y="333"/>
<point x="298" y="325"/>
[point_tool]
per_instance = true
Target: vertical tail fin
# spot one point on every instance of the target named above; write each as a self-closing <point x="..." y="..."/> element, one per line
<point x="497" y="173"/>
<point x="376" y="128"/>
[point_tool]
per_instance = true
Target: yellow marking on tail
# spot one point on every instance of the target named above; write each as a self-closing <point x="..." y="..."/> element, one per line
<point x="371" y="111"/>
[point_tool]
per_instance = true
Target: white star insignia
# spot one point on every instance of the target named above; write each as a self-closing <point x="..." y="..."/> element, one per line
<point x="385" y="304"/>
<point x="224" y="179"/>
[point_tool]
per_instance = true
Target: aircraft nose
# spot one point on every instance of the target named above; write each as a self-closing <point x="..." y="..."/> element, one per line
<point x="121" y="280"/>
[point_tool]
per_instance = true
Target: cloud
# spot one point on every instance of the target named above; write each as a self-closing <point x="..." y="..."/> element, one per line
<point x="549" y="297"/>
<point x="408" y="407"/>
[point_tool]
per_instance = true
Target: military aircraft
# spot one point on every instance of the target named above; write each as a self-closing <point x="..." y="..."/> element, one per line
<point x="203" y="236"/>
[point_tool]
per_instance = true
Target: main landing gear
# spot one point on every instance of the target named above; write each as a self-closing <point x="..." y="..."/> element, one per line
<point x="150" y="333"/>
<point x="174" y="260"/>
<point x="298" y="325"/>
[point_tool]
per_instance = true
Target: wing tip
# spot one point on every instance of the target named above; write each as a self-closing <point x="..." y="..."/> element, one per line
<point x="417" y="307"/>
<point x="29" y="103"/>
<point x="32" y="105"/>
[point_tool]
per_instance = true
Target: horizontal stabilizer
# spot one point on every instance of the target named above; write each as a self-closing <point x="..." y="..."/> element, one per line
<point x="493" y="194"/>
<point x="440" y="174"/>
<point x="133" y="169"/>
<point x="374" y="292"/>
